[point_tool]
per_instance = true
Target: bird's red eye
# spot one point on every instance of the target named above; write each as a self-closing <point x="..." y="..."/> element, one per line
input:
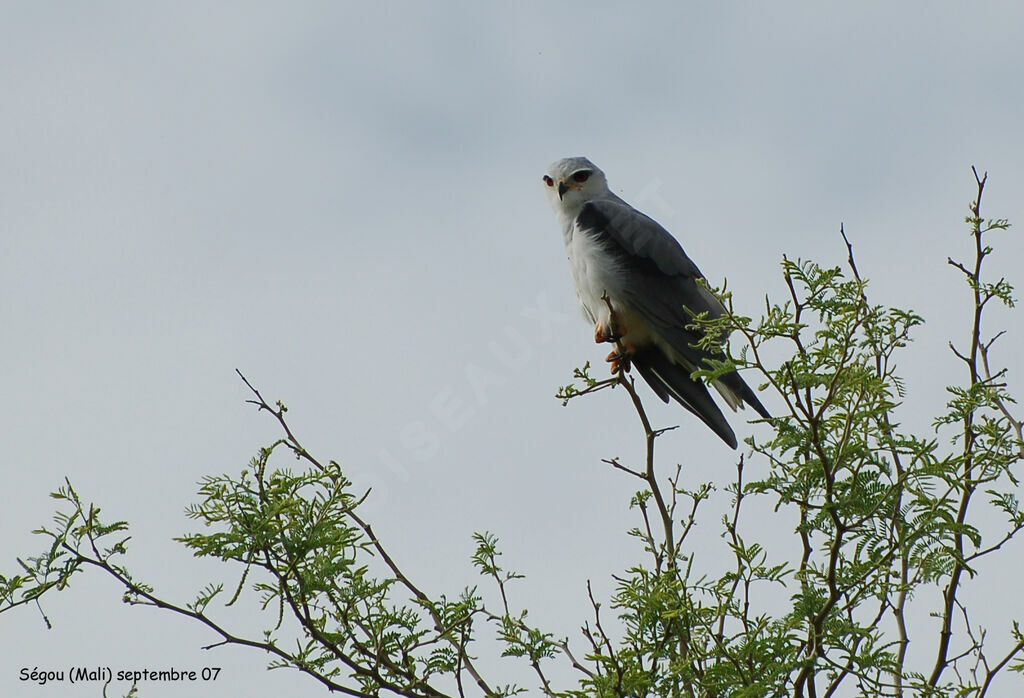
<point x="581" y="176"/>
<point x="548" y="181"/>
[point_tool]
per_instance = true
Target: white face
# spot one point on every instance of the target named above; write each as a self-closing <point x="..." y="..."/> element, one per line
<point x="571" y="182"/>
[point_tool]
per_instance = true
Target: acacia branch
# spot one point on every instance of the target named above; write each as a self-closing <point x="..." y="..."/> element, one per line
<point x="375" y="543"/>
<point x="227" y="638"/>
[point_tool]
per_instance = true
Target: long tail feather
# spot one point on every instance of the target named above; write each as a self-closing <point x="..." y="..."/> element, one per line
<point x="668" y="379"/>
<point x="741" y="390"/>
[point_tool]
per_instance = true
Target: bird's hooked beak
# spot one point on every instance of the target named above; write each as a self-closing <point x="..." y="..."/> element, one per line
<point x="562" y="188"/>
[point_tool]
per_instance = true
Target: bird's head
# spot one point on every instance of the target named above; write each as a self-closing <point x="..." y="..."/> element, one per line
<point x="571" y="182"/>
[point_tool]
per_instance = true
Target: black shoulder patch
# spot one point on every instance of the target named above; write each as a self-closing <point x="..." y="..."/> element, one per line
<point x="636" y="241"/>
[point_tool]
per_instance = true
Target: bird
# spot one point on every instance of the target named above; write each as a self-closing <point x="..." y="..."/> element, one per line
<point x="640" y="290"/>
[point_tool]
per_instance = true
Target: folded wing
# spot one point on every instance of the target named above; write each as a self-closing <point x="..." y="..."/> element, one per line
<point x="661" y="284"/>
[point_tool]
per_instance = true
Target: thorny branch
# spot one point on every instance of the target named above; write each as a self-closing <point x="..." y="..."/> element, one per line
<point x="980" y="374"/>
<point x="425" y="601"/>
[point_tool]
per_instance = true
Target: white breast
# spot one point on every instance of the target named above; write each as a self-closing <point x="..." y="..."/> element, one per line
<point x="594" y="273"/>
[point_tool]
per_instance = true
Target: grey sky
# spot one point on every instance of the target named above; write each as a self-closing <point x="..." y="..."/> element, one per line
<point x="343" y="200"/>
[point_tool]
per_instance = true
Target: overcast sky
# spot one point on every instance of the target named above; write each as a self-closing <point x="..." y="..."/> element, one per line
<point x="343" y="200"/>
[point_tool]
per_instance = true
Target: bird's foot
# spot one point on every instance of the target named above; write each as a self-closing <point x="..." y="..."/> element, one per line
<point x="608" y="333"/>
<point x="620" y="361"/>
